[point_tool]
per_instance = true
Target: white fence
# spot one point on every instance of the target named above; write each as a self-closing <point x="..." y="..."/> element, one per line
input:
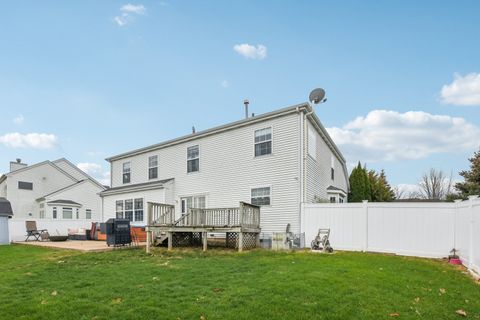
<point x="415" y="229"/>
<point x="18" y="231"/>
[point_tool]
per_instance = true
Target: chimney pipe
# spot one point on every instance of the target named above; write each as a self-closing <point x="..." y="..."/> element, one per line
<point x="19" y="160"/>
<point x="193" y="129"/>
<point x="246" y="102"/>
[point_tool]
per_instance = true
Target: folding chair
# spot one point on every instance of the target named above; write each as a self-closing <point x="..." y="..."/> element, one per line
<point x="32" y="231"/>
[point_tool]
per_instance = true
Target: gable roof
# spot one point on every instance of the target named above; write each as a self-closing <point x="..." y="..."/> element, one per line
<point x="83" y="173"/>
<point x="69" y="202"/>
<point x="33" y="166"/>
<point x="64" y="189"/>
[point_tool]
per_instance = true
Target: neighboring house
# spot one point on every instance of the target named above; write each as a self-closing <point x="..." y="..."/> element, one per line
<point x="51" y="190"/>
<point x="276" y="160"/>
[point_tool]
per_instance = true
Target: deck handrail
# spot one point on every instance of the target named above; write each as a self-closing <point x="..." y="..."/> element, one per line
<point x="160" y="214"/>
<point x="246" y="215"/>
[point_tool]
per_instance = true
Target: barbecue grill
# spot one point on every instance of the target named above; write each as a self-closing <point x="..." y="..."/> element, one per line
<point x="118" y="232"/>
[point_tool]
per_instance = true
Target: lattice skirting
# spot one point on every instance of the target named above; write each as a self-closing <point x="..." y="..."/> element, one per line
<point x="249" y="240"/>
<point x="187" y="239"/>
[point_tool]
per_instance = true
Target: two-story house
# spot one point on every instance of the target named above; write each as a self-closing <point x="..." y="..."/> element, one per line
<point x="276" y="160"/>
<point x="51" y="190"/>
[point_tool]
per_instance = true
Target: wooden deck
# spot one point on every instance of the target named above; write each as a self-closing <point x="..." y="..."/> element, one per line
<point x="241" y="225"/>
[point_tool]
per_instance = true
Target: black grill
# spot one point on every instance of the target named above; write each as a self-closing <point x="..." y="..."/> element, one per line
<point x="118" y="232"/>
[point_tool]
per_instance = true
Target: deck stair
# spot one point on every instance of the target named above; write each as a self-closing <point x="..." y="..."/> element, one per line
<point x="241" y="225"/>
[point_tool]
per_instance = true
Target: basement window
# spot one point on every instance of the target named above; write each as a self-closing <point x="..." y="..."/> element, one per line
<point x="193" y="159"/>
<point x="260" y="196"/>
<point x="263" y="142"/>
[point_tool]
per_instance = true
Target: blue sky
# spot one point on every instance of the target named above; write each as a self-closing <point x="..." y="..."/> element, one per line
<point x="91" y="79"/>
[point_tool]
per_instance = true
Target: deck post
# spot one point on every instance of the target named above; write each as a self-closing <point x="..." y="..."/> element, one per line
<point x="170" y="240"/>
<point x="149" y="240"/>
<point x="204" y="238"/>
<point x="240" y="241"/>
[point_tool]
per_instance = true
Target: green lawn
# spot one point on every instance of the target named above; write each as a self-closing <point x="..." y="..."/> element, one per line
<point x="39" y="283"/>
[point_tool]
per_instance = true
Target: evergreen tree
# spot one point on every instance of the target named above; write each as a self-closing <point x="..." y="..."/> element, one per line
<point x="471" y="185"/>
<point x="380" y="188"/>
<point x="359" y="185"/>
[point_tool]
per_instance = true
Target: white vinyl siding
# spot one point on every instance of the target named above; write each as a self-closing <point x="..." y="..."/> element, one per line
<point x="312" y="142"/>
<point x="319" y="172"/>
<point x="228" y="171"/>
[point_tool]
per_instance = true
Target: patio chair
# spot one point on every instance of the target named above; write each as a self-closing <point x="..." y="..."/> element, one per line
<point x="32" y="231"/>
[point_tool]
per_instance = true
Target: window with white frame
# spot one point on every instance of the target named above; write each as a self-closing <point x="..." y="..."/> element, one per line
<point x="67" y="213"/>
<point x="333" y="199"/>
<point x="88" y="214"/>
<point x="263" y="142"/>
<point x="25" y="185"/>
<point x="119" y="209"/>
<point x="138" y="209"/>
<point x="341" y="199"/>
<point x="260" y="196"/>
<point x="192" y="202"/>
<point x="54" y="213"/>
<point x="126" y="172"/>
<point x="153" y="167"/>
<point x="42" y="211"/>
<point x="128" y="213"/>
<point x="193" y="159"/>
<point x="312" y="143"/>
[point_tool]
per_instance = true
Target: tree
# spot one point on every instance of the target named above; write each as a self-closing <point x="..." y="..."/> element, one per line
<point x="359" y="184"/>
<point x="471" y="183"/>
<point x="380" y="188"/>
<point x="435" y="185"/>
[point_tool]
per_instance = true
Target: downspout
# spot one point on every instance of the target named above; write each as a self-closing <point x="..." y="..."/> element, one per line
<point x="302" y="167"/>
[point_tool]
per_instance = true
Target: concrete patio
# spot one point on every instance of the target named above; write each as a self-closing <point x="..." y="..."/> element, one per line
<point x="86" y="246"/>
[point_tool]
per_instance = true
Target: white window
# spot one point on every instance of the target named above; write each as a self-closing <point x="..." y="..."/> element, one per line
<point x="54" y="212"/>
<point x="260" y="196"/>
<point x="67" y="213"/>
<point x="128" y="210"/>
<point x="333" y="199"/>
<point x="88" y="214"/>
<point x="126" y="172"/>
<point x="192" y="202"/>
<point x="153" y="167"/>
<point x="193" y="159"/>
<point x="263" y="142"/>
<point x="119" y="209"/>
<point x="341" y="200"/>
<point x="25" y="185"/>
<point x="42" y="211"/>
<point x="77" y="213"/>
<point x="139" y="209"/>
<point x="312" y="143"/>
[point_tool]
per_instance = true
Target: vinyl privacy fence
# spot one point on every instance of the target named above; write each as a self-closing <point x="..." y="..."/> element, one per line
<point x="414" y="229"/>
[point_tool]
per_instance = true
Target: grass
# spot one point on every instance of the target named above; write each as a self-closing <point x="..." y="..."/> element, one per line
<point x="40" y="283"/>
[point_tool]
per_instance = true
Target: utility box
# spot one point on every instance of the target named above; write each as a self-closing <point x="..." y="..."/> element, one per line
<point x="5" y="214"/>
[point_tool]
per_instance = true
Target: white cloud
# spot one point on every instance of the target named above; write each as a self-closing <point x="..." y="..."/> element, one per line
<point x="131" y="8"/>
<point x="96" y="171"/>
<point x="251" y="52"/>
<point x="128" y="11"/>
<point x="29" y="140"/>
<point x="405" y="191"/>
<point x="391" y="136"/>
<point x="19" y="119"/>
<point x="463" y="91"/>
<point x="225" y="84"/>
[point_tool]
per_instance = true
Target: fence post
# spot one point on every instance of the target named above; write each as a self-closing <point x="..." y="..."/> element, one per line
<point x="471" y="229"/>
<point x="365" y="209"/>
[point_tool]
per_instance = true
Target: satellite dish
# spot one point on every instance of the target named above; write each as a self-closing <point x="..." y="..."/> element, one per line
<point x="317" y="96"/>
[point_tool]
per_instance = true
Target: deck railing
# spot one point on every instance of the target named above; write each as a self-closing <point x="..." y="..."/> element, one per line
<point x="160" y="214"/>
<point x="246" y="215"/>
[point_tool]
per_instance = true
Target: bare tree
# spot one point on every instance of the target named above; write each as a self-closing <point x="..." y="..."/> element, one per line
<point x="435" y="185"/>
<point x="399" y="192"/>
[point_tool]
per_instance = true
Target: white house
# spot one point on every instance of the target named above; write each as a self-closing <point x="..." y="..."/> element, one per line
<point x="276" y="160"/>
<point x="51" y="190"/>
